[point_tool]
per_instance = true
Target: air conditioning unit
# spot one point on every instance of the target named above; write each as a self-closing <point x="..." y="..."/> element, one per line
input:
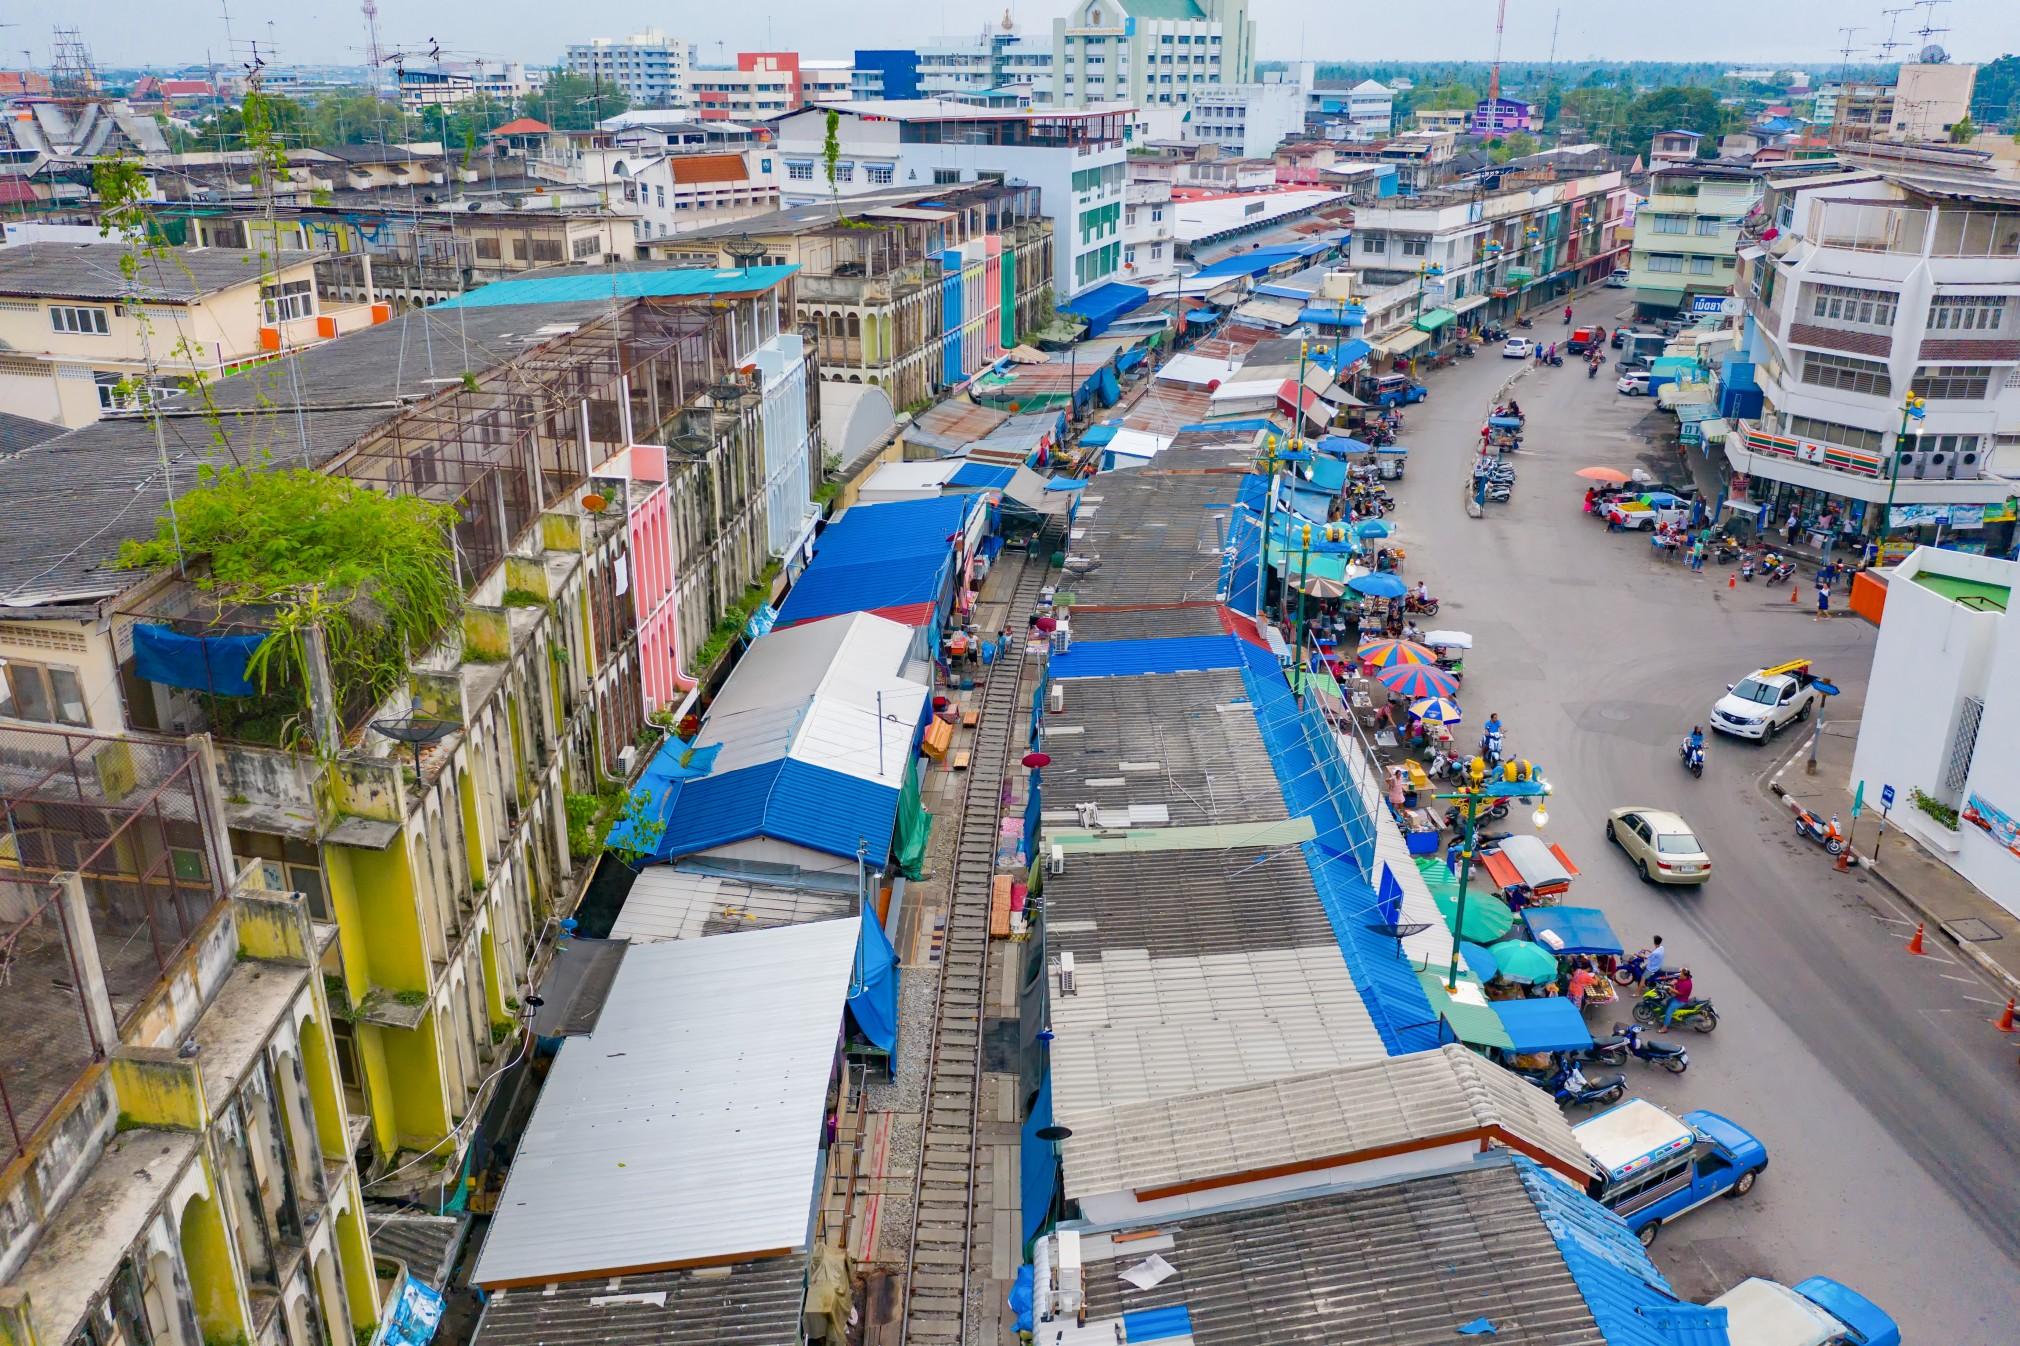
<point x="1936" y="463"/>
<point x="1966" y="464"/>
<point x="627" y="759"/>
<point x="1066" y="974"/>
<point x="1055" y="863"/>
<point x="1089" y="813"/>
<point x="1055" y="701"/>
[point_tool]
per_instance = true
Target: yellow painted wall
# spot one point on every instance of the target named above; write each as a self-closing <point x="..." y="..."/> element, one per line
<point x="213" y="1273"/>
<point x="326" y="1088"/>
<point x="352" y="1251"/>
<point x="157" y="1088"/>
<point x="414" y="1076"/>
<point x="379" y="919"/>
<point x="494" y="987"/>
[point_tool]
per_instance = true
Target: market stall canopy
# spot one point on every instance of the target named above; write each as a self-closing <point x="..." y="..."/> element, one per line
<point x="1524" y="962"/>
<point x="1435" y="319"/>
<point x="1466" y="1011"/>
<point x="1487" y="916"/>
<point x="1542" y="1024"/>
<point x="1572" y="930"/>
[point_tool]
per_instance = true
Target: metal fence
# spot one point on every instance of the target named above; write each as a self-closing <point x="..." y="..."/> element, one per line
<point x="130" y="818"/>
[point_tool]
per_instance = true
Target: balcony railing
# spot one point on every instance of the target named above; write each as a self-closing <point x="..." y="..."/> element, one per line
<point x="1913" y="230"/>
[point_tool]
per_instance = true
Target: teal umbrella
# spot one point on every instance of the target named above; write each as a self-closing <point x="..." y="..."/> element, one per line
<point x="1526" y="962"/>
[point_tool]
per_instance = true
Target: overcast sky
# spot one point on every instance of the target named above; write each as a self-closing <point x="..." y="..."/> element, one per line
<point x="125" y="32"/>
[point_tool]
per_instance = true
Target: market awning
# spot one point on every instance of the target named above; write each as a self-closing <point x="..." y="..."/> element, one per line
<point x="1405" y="342"/>
<point x="1571" y="929"/>
<point x="1467" y="1011"/>
<point x="1715" y="429"/>
<point x="1435" y="319"/>
<point x="1545" y="1024"/>
<point x="1103" y="304"/>
<point x="1469" y="303"/>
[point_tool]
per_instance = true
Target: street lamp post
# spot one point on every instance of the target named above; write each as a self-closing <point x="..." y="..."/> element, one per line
<point x="1536" y="789"/>
<point x="1914" y="408"/>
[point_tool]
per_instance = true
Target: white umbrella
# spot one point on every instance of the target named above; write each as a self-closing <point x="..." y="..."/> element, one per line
<point x="1451" y="640"/>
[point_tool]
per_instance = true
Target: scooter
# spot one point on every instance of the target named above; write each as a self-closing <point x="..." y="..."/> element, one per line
<point x="1490" y="749"/>
<point x="1443" y="764"/>
<point x="1701" y="1015"/>
<point x="1591" y="370"/>
<point x="1810" y="826"/>
<point x="1746" y="569"/>
<point x="1569" y="1086"/>
<point x="1466" y="350"/>
<point x="1635" y="1040"/>
<point x="1499" y="495"/>
<point x="1693" y="757"/>
<point x="1455" y="817"/>
<point x="1782" y="573"/>
<point x="1425" y="607"/>
<point x="1524" y="322"/>
<point x="1630" y="970"/>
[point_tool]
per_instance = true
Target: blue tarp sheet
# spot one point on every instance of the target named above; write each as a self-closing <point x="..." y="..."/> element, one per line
<point x="988" y="476"/>
<point x="1066" y="483"/>
<point x="1334" y="315"/>
<point x="1572" y="930"/>
<point x="1546" y="1024"/>
<point x="1329" y="473"/>
<point x="1157" y="1324"/>
<point x="1135" y="658"/>
<point x="1103" y="304"/>
<point x="416" y="1316"/>
<point x="1129" y="360"/>
<point x="1109" y="388"/>
<point x="873" y="990"/>
<point x="1038" y="1166"/>
<point x="1241" y="573"/>
<point x="1241" y="426"/>
<point x="1394" y="998"/>
<point x="214" y="664"/>
<point x="1094" y="436"/>
<point x="1201" y="317"/>
<point x="1312" y="504"/>
<point x="676" y="761"/>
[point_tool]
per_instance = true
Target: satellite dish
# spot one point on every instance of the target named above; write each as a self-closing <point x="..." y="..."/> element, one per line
<point x="1933" y="55"/>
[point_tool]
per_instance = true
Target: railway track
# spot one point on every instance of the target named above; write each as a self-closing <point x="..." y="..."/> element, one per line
<point x="939" y="1268"/>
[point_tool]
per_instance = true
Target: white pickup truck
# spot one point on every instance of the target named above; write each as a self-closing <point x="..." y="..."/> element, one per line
<point x="1815" y="1312"/>
<point x="1767" y="701"/>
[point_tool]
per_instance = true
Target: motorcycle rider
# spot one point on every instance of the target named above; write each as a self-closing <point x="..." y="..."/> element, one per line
<point x="1651" y="963"/>
<point x="1679" y="997"/>
<point x="1423" y="595"/>
<point x="1693" y="747"/>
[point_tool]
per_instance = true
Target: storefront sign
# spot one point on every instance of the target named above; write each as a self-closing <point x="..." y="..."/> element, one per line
<point x="1995" y="823"/>
<point x="1856" y="461"/>
<point x="1947" y="516"/>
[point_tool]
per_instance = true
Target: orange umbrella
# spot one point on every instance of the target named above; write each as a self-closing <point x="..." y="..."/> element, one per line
<point x="1612" y="474"/>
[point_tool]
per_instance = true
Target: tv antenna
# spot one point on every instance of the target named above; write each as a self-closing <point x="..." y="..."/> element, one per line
<point x="1892" y="44"/>
<point x="1928" y="28"/>
<point x="1845" y="66"/>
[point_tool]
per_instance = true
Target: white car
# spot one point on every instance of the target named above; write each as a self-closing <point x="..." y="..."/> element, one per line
<point x="1618" y="280"/>
<point x="1518" y="348"/>
<point x="1634" y="383"/>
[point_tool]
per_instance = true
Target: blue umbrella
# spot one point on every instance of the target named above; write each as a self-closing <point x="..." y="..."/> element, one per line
<point x="1378" y="584"/>
<point x="1372" y="528"/>
<point x="1479" y="960"/>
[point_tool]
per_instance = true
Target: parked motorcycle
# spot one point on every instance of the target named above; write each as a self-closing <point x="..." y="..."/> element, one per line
<point x="1455" y="817"/>
<point x="1569" y="1086"/>
<point x="1782" y="573"/>
<point x="1524" y="322"/>
<point x="1635" y="1042"/>
<point x="1815" y="829"/>
<point x="1693" y="757"/>
<point x="1467" y="350"/>
<point x="1445" y="764"/>
<point x="1700" y="1015"/>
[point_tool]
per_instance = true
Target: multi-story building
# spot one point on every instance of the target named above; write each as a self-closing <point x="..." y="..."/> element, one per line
<point x="1422" y="159"/>
<point x="1147" y="52"/>
<point x="421" y="799"/>
<point x="1859" y="289"/>
<point x="649" y="67"/>
<point x="766" y="84"/>
<point x="175" y="1151"/>
<point x="1502" y="116"/>
<point x="914" y="290"/>
<point x="1686" y="236"/>
<point x="449" y="84"/>
<point x="1457" y="120"/>
<point x="1363" y="111"/>
<point x="1149" y="230"/>
<point x="959" y="67"/>
<point x="668" y="194"/>
<point x="1538" y="235"/>
<point x="1674" y="147"/>
<point x="1250" y="120"/>
<point x="1924" y="102"/>
<point x="885" y="72"/>
<point x="1074" y="156"/>
<point x="83" y="337"/>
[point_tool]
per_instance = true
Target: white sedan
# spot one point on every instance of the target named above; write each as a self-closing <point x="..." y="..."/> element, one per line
<point x="1518" y="348"/>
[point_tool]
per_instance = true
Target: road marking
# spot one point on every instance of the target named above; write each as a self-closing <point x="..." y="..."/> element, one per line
<point x="1890" y="920"/>
<point x="1980" y="1000"/>
<point x="1968" y="981"/>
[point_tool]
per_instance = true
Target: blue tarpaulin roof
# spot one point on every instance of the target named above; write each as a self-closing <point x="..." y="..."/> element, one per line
<point x="1630" y="1301"/>
<point x="1335" y="315"/>
<point x="1258" y="260"/>
<point x="1038" y="1167"/>
<point x="873" y="988"/>
<point x="1387" y="980"/>
<point x="622" y="285"/>
<point x="676" y="761"/>
<point x="213" y="664"/>
<point x="988" y="476"/>
<point x="1572" y="929"/>
<point x="879" y="556"/>
<point x="786" y="800"/>
<point x="1329" y="474"/>
<point x="1135" y="658"/>
<point x="1103" y="304"/>
<point x="1094" y="436"/>
<point x="1157" y="1324"/>
<point x="1545" y="1024"/>
<point x="1311" y="503"/>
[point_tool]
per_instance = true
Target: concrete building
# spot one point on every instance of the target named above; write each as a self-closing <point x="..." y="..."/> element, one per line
<point x="900" y="296"/>
<point x="1674" y="147"/>
<point x="1149" y="230"/>
<point x="1149" y="52"/>
<point x="1860" y="288"/>
<point x="1364" y="111"/>
<point x="1456" y="120"/>
<point x="175" y="1150"/>
<point x="649" y="67"/>
<point x="766" y="84"/>
<point x="1074" y="156"/>
<point x="82" y="338"/>
<point x="449" y="84"/>
<point x="1686" y="237"/>
<point x="1923" y="103"/>
<point x="670" y="194"/>
<point x="1250" y="120"/>
<point x="1942" y="703"/>
<point x="440" y="864"/>
<point x="970" y="66"/>
<point x="1540" y="234"/>
<point x="1422" y="159"/>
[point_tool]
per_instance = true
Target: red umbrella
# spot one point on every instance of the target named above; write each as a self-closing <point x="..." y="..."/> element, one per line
<point x="1048" y="624"/>
<point x="1034" y="760"/>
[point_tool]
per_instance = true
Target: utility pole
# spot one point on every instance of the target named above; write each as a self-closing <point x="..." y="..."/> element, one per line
<point x="1494" y="79"/>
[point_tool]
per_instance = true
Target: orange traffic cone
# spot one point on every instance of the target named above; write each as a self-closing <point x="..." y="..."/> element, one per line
<point x="1915" y="942"/>
<point x="2004" y="1023"/>
<point x="1732" y="581"/>
<point x="1844" y="861"/>
<point x="1795" y="593"/>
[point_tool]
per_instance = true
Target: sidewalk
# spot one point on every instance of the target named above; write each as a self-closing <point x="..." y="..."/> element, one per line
<point x="1982" y="931"/>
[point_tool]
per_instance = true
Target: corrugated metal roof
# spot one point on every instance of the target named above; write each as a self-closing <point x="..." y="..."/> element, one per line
<point x="1304" y="1118"/>
<point x="788" y="801"/>
<point x="748" y="1304"/>
<point x="910" y="481"/>
<point x="1138" y="658"/>
<point x="949" y="426"/>
<point x="670" y="903"/>
<point x="1407" y="1262"/>
<point x="1191" y="619"/>
<point x="835" y="588"/>
<point x="687" y="1126"/>
<point x="898" y="528"/>
<point x="671" y="282"/>
<point x="1157" y="536"/>
<point x="987" y="476"/>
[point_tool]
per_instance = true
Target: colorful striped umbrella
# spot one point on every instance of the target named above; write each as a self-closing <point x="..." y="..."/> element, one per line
<point x="1418" y="680"/>
<point x="1438" y="709"/>
<point x="1386" y="653"/>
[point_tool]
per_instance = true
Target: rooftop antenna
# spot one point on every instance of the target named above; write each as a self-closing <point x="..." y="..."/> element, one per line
<point x="1928" y="28"/>
<point x="373" y="56"/>
<point x="1555" y="15"/>
<point x="1892" y="45"/>
<point x="1845" y="65"/>
<point x="1494" y="79"/>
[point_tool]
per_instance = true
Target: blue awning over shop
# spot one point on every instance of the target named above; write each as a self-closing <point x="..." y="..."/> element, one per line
<point x="1572" y="929"/>
<point x="1546" y="1024"/>
<point x="1334" y="315"/>
<point x="1103" y="304"/>
<point x="873" y="990"/>
<point x="1094" y="436"/>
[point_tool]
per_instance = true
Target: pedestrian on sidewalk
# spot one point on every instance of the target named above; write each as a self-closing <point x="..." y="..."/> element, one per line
<point x="1823" y="600"/>
<point x="1794" y="524"/>
<point x="1697" y="555"/>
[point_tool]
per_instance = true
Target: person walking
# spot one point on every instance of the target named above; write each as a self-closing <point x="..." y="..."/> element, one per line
<point x="1823" y="600"/>
<point x="1794" y="523"/>
<point x="1697" y="555"/>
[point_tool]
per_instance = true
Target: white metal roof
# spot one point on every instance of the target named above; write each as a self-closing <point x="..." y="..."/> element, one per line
<point x="910" y="481"/>
<point x="831" y="693"/>
<point x="686" y="1129"/>
<point x="1137" y="444"/>
<point x="1197" y="369"/>
<point x="1627" y="1132"/>
<point x="669" y="903"/>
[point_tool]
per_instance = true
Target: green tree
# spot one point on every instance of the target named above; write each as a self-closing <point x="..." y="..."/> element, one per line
<point x="831" y="158"/>
<point x="1962" y="131"/>
<point x="571" y="103"/>
<point x="1512" y="146"/>
<point x="1995" y="97"/>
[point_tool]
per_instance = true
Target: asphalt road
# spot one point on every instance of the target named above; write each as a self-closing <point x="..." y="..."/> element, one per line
<point x="1890" y="1108"/>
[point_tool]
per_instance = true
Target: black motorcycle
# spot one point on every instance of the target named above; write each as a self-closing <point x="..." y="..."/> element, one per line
<point x="1569" y="1086"/>
<point x="1693" y="757"/>
<point x="1635" y="1041"/>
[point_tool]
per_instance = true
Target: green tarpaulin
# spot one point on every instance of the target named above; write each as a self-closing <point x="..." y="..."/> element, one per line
<point x="1436" y="318"/>
<point x="1487" y="916"/>
<point x="1473" y="1020"/>
<point x="915" y="825"/>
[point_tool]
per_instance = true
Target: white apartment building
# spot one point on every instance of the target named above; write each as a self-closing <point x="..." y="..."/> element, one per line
<point x="1924" y="102"/>
<point x="1686" y="236"/>
<point x="1074" y="156"/>
<point x="1249" y="120"/>
<point x="1359" y="112"/>
<point x="1149" y="230"/>
<point x="668" y="194"/>
<point x="1943" y="711"/>
<point x="449" y="84"/>
<point x="651" y="68"/>
<point x="1149" y="51"/>
<point x="1859" y="289"/>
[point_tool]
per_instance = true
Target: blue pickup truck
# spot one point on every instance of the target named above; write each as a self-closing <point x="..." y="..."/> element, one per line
<point x="1815" y="1312"/>
<point x="1656" y="1167"/>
